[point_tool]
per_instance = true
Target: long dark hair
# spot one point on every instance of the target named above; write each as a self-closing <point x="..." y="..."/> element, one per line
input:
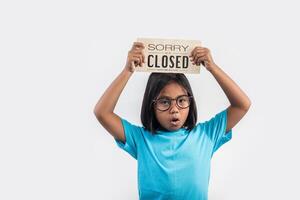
<point x="156" y="82"/>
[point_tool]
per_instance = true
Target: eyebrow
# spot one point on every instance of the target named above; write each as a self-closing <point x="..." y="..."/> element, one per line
<point x="165" y="96"/>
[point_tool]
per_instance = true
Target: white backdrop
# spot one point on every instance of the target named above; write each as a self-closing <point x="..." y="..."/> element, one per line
<point x="58" y="57"/>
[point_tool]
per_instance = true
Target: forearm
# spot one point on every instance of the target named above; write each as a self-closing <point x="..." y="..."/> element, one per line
<point x="235" y="95"/>
<point x="109" y="99"/>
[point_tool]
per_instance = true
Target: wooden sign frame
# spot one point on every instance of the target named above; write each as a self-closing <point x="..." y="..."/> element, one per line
<point x="168" y="56"/>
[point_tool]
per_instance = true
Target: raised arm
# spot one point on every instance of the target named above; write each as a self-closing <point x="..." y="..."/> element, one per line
<point x="104" y="109"/>
<point x="239" y="101"/>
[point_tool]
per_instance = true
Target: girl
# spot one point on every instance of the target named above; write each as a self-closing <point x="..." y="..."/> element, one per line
<point x="173" y="150"/>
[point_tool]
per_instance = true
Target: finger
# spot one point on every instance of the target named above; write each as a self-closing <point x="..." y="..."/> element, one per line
<point x="201" y="60"/>
<point x="141" y="59"/>
<point x="202" y="50"/>
<point x="192" y="52"/>
<point x="143" y="55"/>
<point x="140" y="54"/>
<point x="196" y="49"/>
<point x="137" y="59"/>
<point x="138" y="45"/>
<point x="139" y="51"/>
<point x="197" y="55"/>
<point x="136" y="54"/>
<point x="200" y="54"/>
<point x="132" y="67"/>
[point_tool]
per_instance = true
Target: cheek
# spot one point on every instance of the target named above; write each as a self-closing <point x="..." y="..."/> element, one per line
<point x="158" y="115"/>
<point x="161" y="117"/>
<point x="185" y="113"/>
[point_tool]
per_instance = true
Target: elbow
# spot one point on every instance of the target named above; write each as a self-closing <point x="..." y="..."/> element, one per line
<point x="97" y="112"/>
<point x="100" y="113"/>
<point x="99" y="116"/>
<point x="247" y="105"/>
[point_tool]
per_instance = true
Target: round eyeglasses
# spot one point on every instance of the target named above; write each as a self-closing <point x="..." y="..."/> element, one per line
<point x="164" y="103"/>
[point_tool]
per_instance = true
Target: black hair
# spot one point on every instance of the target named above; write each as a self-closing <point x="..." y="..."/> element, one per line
<point x="156" y="82"/>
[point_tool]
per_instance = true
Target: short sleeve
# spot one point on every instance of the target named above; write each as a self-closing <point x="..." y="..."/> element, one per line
<point x="132" y="135"/>
<point x="216" y="130"/>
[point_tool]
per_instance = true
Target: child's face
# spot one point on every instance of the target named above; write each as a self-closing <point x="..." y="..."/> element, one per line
<point x="175" y="117"/>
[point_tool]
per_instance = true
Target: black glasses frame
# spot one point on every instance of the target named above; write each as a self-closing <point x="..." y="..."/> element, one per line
<point x="176" y="100"/>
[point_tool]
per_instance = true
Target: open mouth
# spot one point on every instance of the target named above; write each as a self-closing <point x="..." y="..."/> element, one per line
<point x="175" y="121"/>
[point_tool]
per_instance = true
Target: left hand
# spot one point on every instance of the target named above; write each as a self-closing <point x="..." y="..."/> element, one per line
<point x="202" y="55"/>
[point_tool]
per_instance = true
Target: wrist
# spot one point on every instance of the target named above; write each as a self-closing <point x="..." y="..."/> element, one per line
<point x="127" y="71"/>
<point x="212" y="68"/>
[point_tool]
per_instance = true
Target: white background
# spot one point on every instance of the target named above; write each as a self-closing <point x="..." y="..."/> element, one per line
<point x="58" y="57"/>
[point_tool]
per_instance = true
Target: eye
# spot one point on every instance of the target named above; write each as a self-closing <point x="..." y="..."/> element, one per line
<point x="164" y="101"/>
<point x="182" y="99"/>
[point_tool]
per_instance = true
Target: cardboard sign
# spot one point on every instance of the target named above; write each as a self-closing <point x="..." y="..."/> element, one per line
<point x="168" y="55"/>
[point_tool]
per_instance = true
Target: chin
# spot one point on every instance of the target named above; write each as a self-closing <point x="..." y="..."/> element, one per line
<point x="169" y="127"/>
<point x="174" y="128"/>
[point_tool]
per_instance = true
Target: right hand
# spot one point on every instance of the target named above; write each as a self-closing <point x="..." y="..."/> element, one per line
<point x="135" y="56"/>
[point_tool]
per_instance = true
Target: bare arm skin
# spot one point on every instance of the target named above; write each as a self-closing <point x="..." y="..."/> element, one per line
<point x="104" y="109"/>
<point x="239" y="102"/>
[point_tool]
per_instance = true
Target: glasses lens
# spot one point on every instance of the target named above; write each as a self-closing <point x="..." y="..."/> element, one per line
<point x="163" y="104"/>
<point x="183" y="101"/>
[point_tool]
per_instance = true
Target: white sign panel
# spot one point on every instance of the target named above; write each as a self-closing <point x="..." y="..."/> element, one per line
<point x="168" y="55"/>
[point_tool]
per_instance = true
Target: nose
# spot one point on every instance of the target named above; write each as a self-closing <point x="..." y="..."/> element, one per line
<point x="173" y="107"/>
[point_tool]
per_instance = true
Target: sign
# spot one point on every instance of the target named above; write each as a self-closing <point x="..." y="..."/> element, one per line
<point x="168" y="56"/>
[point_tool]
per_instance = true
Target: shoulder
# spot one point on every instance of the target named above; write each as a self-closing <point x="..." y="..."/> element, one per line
<point x="213" y="122"/>
<point x="132" y="128"/>
<point x="217" y="116"/>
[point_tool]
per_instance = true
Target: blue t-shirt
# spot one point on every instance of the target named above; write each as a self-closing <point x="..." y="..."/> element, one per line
<point x="175" y="165"/>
